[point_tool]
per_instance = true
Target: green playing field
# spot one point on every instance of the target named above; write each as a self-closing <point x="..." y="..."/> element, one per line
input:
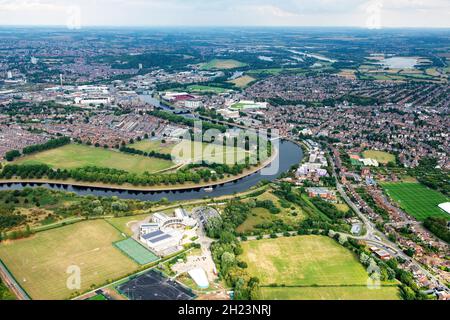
<point x="76" y="156"/>
<point x="417" y="200"/>
<point x="136" y="251"/>
<point x="309" y="267"/>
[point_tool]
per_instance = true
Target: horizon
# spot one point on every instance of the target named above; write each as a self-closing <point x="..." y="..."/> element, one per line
<point x="342" y="27"/>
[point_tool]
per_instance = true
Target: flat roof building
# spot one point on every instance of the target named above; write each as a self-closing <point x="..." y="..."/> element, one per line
<point x="445" y="206"/>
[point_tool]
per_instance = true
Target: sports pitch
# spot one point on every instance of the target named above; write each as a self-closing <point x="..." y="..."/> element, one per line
<point x="305" y="262"/>
<point x="39" y="263"/>
<point x="243" y="81"/>
<point x="380" y="156"/>
<point x="417" y="200"/>
<point x="76" y="156"/>
<point x="205" y="89"/>
<point x="188" y="151"/>
<point x="136" y="251"/>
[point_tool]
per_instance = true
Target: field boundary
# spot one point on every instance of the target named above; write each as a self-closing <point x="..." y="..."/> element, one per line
<point x="135" y="274"/>
<point x="13" y="281"/>
<point x="325" y="285"/>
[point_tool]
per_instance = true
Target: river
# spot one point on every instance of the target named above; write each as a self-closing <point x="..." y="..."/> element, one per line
<point x="289" y="154"/>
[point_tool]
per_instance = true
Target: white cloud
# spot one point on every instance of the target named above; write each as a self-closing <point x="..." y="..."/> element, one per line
<point x="20" y="5"/>
<point x="433" y="13"/>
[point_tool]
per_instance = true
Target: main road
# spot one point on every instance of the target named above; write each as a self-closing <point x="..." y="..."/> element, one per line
<point x="378" y="239"/>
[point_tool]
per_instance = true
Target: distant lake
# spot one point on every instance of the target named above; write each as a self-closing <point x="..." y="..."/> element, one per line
<point x="264" y="58"/>
<point x="400" y="62"/>
<point x="315" y="56"/>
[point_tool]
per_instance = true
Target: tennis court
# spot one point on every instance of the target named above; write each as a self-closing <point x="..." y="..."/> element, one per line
<point x="136" y="251"/>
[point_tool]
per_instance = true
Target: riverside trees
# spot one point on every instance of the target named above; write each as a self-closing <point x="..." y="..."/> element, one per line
<point x="114" y="176"/>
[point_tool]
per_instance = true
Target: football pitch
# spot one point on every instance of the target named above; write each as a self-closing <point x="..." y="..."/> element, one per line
<point x="305" y="264"/>
<point x="40" y="263"/>
<point x="136" y="251"/>
<point x="417" y="200"/>
<point x="188" y="151"/>
<point x="380" y="156"/>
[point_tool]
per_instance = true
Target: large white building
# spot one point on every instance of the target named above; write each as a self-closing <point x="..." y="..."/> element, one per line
<point x="159" y="241"/>
<point x="162" y="235"/>
<point x="96" y="101"/>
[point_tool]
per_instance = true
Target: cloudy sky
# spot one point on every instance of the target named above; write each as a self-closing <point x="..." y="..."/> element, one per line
<point x="361" y="13"/>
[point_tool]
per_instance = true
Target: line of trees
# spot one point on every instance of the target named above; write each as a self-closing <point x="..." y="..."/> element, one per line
<point x="152" y="154"/>
<point x="226" y="249"/>
<point x="383" y="270"/>
<point x="11" y="155"/>
<point x="219" y="168"/>
<point x="330" y="210"/>
<point x="439" y="227"/>
<point x="51" y="144"/>
<point x="112" y="176"/>
<point x="429" y="174"/>
<point x="185" y="121"/>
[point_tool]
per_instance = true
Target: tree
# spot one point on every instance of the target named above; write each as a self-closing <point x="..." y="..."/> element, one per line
<point x="407" y="293"/>
<point x="364" y="258"/>
<point x="11" y="155"/>
<point x="98" y="211"/>
<point x="342" y="239"/>
<point x="227" y="260"/>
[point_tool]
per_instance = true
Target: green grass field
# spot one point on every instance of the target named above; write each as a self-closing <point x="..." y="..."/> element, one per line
<point x="330" y="293"/>
<point x="243" y="81"/>
<point x="206" y="89"/>
<point x="39" y="263"/>
<point x="136" y="251"/>
<point x="75" y="156"/>
<point x="123" y="224"/>
<point x="307" y="262"/>
<point x="196" y="151"/>
<point x="380" y="156"/>
<point x="222" y="64"/>
<point x="416" y="199"/>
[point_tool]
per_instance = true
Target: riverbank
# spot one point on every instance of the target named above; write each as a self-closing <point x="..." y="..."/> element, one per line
<point x="130" y="187"/>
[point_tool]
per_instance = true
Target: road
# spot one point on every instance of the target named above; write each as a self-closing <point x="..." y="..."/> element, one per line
<point x="11" y="283"/>
<point x="376" y="238"/>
